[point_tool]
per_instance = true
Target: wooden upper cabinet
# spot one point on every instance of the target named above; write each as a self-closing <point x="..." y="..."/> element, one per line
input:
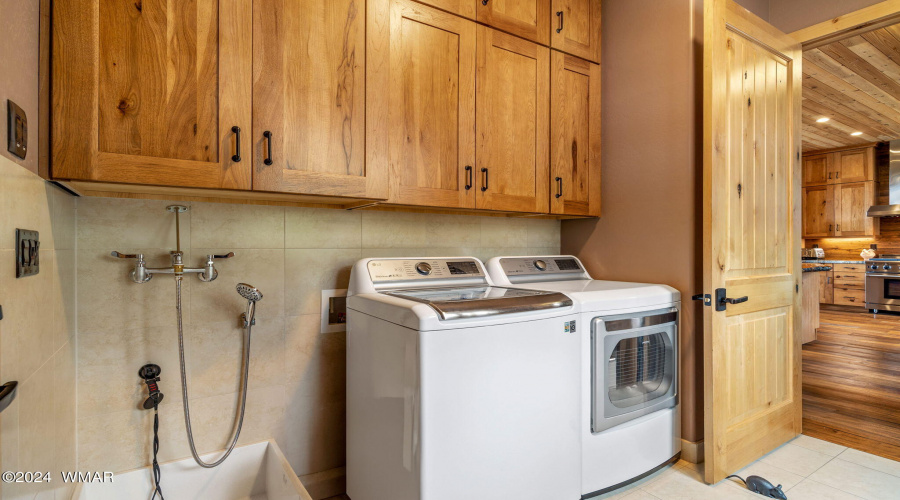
<point x="818" y="170"/>
<point x="574" y="136"/>
<point x="309" y="100"/>
<point x="575" y="28"/>
<point x="529" y="19"/>
<point x="854" y="166"/>
<point x="512" y="110"/>
<point x="818" y="211"/>
<point x="851" y="200"/>
<point x="421" y="105"/>
<point x="148" y="92"/>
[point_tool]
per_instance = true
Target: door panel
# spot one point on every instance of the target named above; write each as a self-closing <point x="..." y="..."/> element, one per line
<point x="817" y="170"/>
<point x="850" y="204"/>
<point x="529" y="19"/>
<point x="464" y="8"/>
<point x="752" y="81"/>
<point x="512" y="140"/>
<point x="424" y="118"/>
<point x="309" y="94"/>
<point x="574" y="136"/>
<point x="826" y="287"/>
<point x="854" y="166"/>
<point x="575" y="28"/>
<point x="818" y="212"/>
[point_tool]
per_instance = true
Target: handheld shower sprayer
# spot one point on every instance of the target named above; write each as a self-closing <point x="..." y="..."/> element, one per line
<point x="253" y="295"/>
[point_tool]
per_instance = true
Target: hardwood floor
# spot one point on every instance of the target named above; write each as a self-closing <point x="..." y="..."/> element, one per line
<point x="851" y="382"/>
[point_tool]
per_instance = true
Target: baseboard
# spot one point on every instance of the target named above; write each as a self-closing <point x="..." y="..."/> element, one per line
<point x="326" y="484"/>
<point x="692" y="451"/>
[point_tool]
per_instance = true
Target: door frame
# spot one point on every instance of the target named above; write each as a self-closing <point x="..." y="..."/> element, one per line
<point x="848" y="25"/>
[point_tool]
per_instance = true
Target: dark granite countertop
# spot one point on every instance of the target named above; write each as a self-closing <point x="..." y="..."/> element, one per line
<point x="826" y="261"/>
<point x="816" y="269"/>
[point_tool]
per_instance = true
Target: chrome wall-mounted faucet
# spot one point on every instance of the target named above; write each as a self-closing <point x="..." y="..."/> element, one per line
<point x="142" y="274"/>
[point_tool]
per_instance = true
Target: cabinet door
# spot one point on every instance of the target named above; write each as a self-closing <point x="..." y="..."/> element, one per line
<point x="854" y="166"/>
<point x="309" y="98"/>
<point x="148" y="92"/>
<point x="512" y="110"/>
<point x="851" y="201"/>
<point x="818" y="170"/>
<point x="818" y="211"/>
<point x="464" y="8"/>
<point x="826" y="287"/>
<point x="575" y="28"/>
<point x="529" y="19"/>
<point x="421" y="103"/>
<point x="574" y="135"/>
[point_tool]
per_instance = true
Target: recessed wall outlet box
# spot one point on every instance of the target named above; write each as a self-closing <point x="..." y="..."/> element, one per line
<point x="334" y="310"/>
<point x="28" y="257"/>
<point x="18" y="130"/>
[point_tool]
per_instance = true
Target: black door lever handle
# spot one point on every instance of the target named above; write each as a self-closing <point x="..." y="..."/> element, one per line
<point x="722" y="300"/>
<point x="737" y="300"/>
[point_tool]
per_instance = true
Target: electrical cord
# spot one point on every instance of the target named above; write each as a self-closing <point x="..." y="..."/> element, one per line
<point x="157" y="474"/>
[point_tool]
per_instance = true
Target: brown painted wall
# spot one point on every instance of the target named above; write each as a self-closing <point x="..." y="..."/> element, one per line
<point x="19" y="48"/>
<point x="792" y="15"/>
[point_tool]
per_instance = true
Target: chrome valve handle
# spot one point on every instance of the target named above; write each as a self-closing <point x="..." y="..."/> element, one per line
<point x="139" y="274"/>
<point x="209" y="272"/>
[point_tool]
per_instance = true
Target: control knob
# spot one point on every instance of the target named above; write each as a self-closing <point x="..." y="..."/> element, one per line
<point x="540" y="265"/>
<point x="423" y="268"/>
<point x="887" y="267"/>
<point x="873" y="267"/>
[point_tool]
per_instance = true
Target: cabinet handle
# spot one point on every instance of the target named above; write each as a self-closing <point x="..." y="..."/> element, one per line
<point x="268" y="135"/>
<point x="560" y="16"/>
<point x="828" y="280"/>
<point x="559" y="187"/>
<point x="829" y="175"/>
<point x="838" y="227"/>
<point x="829" y="227"/>
<point x="484" y="186"/>
<point x="468" y="177"/>
<point x="484" y="2"/>
<point x="837" y="175"/>
<point x="237" y="144"/>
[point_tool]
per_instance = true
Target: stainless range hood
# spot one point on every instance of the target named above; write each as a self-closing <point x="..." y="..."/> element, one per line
<point x="892" y="210"/>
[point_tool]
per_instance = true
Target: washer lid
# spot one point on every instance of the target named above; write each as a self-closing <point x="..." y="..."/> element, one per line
<point x="482" y="301"/>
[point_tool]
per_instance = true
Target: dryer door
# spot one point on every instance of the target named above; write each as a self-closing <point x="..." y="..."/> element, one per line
<point x="633" y="366"/>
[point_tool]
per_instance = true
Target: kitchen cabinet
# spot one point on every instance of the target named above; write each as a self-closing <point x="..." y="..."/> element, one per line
<point x="818" y="211"/>
<point x="512" y="123"/>
<point x="152" y="92"/>
<point x="576" y="28"/>
<point x="574" y="135"/>
<point x="809" y="307"/>
<point x="464" y="8"/>
<point x="309" y="100"/>
<point x="529" y="19"/>
<point x="839" y="210"/>
<point x="844" y="285"/>
<point x="826" y="287"/>
<point x="837" y="167"/>
<point x="849" y="297"/>
<point x="817" y="170"/>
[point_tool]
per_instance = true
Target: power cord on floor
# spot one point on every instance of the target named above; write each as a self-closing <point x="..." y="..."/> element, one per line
<point x="150" y="374"/>
<point x="157" y="474"/>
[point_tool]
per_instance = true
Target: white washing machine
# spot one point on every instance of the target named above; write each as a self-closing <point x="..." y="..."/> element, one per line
<point x="458" y="389"/>
<point x="630" y="417"/>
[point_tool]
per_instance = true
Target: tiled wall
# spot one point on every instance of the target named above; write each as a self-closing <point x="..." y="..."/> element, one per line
<point x="37" y="333"/>
<point x="297" y="374"/>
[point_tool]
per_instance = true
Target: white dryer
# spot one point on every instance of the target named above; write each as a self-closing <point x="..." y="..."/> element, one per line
<point x="630" y="417"/>
<point x="458" y="389"/>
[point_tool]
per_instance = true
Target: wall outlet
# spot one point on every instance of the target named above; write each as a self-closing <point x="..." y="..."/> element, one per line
<point x="334" y="310"/>
<point x="28" y="257"/>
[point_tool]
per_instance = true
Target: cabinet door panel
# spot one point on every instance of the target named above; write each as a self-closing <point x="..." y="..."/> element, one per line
<point x="854" y="166"/>
<point x="309" y="93"/>
<point x="422" y="121"/>
<point x="818" y="212"/>
<point x="826" y="287"/>
<point x="575" y="28"/>
<point x="464" y="8"/>
<point x="817" y="170"/>
<point x="850" y="204"/>
<point x="512" y="137"/>
<point x="529" y="19"/>
<point x="574" y="136"/>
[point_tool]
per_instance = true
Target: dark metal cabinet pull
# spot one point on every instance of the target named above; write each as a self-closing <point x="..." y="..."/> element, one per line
<point x="468" y="177"/>
<point x="484" y="186"/>
<point x="237" y="144"/>
<point x="484" y="2"/>
<point x="560" y="16"/>
<point x="559" y="187"/>
<point x="829" y="227"/>
<point x="268" y="136"/>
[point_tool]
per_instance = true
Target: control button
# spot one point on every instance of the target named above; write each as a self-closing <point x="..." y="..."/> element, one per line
<point x="540" y="265"/>
<point x="423" y="268"/>
<point x="873" y="267"/>
<point x="887" y="267"/>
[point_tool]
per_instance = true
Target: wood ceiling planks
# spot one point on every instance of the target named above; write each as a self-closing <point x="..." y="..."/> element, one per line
<point x="856" y="83"/>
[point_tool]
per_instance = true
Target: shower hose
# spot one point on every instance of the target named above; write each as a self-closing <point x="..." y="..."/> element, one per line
<point x="245" y="369"/>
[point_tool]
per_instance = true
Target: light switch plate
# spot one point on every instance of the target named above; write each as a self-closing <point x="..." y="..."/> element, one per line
<point x="18" y="130"/>
<point x="28" y="257"/>
<point x="334" y="310"/>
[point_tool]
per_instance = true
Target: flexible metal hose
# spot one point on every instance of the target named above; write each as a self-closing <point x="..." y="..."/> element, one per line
<point x="245" y="367"/>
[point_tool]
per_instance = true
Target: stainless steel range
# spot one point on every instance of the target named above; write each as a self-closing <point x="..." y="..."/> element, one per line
<point x="883" y="283"/>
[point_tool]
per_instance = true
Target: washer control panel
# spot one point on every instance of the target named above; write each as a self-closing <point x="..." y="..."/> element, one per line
<point x="535" y="266"/>
<point x="386" y="270"/>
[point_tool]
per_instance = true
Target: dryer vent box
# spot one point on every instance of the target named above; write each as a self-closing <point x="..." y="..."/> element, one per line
<point x="17" y="130"/>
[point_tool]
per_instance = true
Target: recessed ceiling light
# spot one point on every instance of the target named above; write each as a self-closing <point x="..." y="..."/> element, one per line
<point x="823" y="119"/>
<point x="856" y="133"/>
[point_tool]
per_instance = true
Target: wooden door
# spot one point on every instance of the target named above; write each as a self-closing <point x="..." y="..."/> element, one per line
<point x="421" y="103"/>
<point x="574" y="135"/>
<point x="529" y="19"/>
<point x="512" y="110"/>
<point x="851" y="201"/>
<point x="309" y="99"/>
<point x="149" y="92"/>
<point x="818" y="211"/>
<point x="855" y="166"/>
<point x="826" y="287"/>
<point x="575" y="28"/>
<point x="818" y="170"/>
<point x="752" y="390"/>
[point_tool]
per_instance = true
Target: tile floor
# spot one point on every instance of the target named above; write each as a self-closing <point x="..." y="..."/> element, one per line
<point x="806" y="467"/>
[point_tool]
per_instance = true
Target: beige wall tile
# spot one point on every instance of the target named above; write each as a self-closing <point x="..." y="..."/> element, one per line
<point x="219" y="301"/>
<point x="226" y="226"/>
<point x="62" y="217"/>
<point x="9" y="430"/>
<point x="37" y="422"/>
<point x="410" y="230"/>
<point x="28" y="322"/>
<point x="543" y="233"/>
<point x="504" y="232"/>
<point x="64" y="402"/>
<point x="308" y="272"/>
<point x="212" y="418"/>
<point x="322" y="228"/>
<point x="64" y="294"/>
<point x="108" y="224"/>
<point x="23" y="204"/>
<point x="318" y="440"/>
<point x="316" y="362"/>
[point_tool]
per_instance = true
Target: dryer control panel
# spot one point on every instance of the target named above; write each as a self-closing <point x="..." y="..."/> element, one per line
<point x="393" y="270"/>
<point x="537" y="266"/>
